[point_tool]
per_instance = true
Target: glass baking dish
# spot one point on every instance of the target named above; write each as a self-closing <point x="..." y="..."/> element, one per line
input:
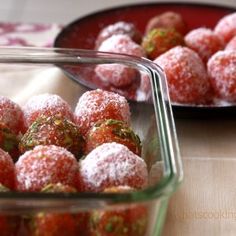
<point x="26" y="72"/>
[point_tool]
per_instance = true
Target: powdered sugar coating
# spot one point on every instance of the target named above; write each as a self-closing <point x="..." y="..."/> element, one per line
<point x="46" y="165"/>
<point x="118" y="28"/>
<point x="121" y="44"/>
<point x="112" y="164"/>
<point x="231" y="45"/>
<point x="98" y="105"/>
<point x="186" y="75"/>
<point x="117" y="74"/>
<point x="11" y="115"/>
<point x="226" y="27"/>
<point x="7" y="170"/>
<point x="204" y="41"/>
<point x="222" y="72"/>
<point x="48" y="105"/>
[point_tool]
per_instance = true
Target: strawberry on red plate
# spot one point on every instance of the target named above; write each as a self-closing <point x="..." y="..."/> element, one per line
<point x="119" y="75"/>
<point x="222" y="72"/>
<point x="120" y="27"/>
<point x="187" y="78"/>
<point x="160" y="40"/>
<point x="204" y="41"/>
<point x="168" y="20"/>
<point x="226" y="27"/>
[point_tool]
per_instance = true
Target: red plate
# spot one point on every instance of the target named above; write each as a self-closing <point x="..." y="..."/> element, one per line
<point x="83" y="32"/>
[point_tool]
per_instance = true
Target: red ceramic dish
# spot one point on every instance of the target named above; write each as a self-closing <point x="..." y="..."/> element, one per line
<point x="83" y="32"/>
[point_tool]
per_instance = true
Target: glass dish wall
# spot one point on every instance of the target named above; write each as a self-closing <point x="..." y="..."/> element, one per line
<point x="70" y="73"/>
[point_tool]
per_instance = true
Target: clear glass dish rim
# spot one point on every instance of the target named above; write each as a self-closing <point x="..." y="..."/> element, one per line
<point x="172" y="160"/>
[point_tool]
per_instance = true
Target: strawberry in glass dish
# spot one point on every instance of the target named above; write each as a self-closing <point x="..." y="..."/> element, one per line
<point x="97" y="105"/>
<point x="7" y="170"/>
<point x="112" y="164"/>
<point x="12" y="115"/>
<point x="58" y="223"/>
<point x="110" y="130"/>
<point x="47" y="105"/>
<point x="9" y="141"/>
<point x="9" y="224"/>
<point x="45" y="164"/>
<point x="53" y="130"/>
<point x="124" y="221"/>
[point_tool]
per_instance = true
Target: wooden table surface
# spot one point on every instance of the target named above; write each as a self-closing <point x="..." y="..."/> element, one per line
<point x="205" y="202"/>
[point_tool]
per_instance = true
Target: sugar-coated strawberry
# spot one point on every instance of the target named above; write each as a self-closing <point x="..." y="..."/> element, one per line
<point x="222" y="72"/>
<point x="186" y="75"/>
<point x="47" y="105"/>
<point x="169" y="19"/>
<point x="204" y="41"/>
<point x="56" y="223"/>
<point x="7" y="170"/>
<point x="108" y="131"/>
<point x="231" y="45"/>
<point x="226" y="27"/>
<point x="53" y="130"/>
<point x="112" y="164"/>
<point x="160" y="40"/>
<point x="125" y="221"/>
<point x="9" y="224"/>
<point x="121" y="44"/>
<point x="119" y="75"/>
<point x="12" y="115"/>
<point x="9" y="141"/>
<point x="99" y="105"/>
<point x="120" y="27"/>
<point x="44" y="165"/>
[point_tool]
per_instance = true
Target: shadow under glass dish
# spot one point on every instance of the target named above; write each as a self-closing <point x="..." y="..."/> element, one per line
<point x="82" y="34"/>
